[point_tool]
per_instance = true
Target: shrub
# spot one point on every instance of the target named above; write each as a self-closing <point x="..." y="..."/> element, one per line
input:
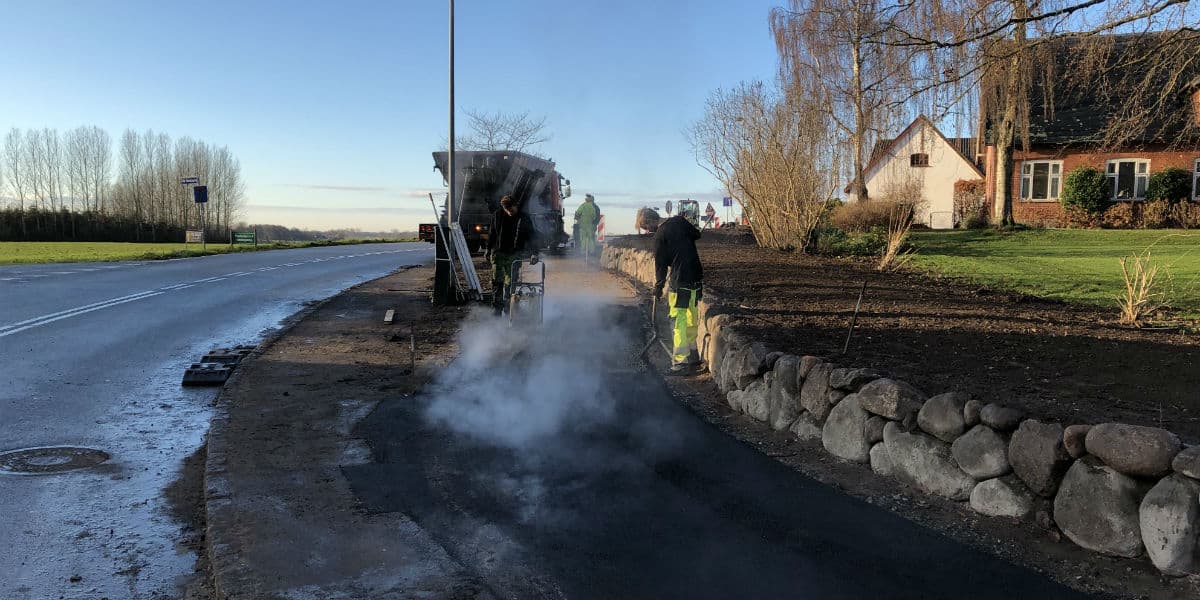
<point x="835" y="242"/>
<point x="1156" y="214"/>
<point x="860" y="217"/>
<point x="1170" y="184"/>
<point x="1143" y="295"/>
<point x="1078" y="218"/>
<point x="1186" y="215"/>
<point x="894" y="254"/>
<point x="1118" y="216"/>
<point x="1086" y="188"/>
<point x="978" y="220"/>
<point x="970" y="202"/>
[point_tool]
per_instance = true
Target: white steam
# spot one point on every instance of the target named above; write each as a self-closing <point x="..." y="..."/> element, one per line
<point x="518" y="386"/>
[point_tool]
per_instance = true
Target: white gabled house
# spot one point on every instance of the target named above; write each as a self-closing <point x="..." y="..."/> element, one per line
<point x="920" y="166"/>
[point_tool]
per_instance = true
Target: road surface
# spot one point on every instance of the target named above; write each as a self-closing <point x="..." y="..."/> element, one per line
<point x="552" y="466"/>
<point x="93" y="354"/>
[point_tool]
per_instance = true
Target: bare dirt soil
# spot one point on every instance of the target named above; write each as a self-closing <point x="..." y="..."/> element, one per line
<point x="1058" y="361"/>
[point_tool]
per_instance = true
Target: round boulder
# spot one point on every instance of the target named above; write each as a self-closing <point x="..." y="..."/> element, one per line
<point x="850" y="380"/>
<point x="982" y="453"/>
<point x="873" y="429"/>
<point x="1133" y="449"/>
<point x="1187" y="462"/>
<point x="806" y="427"/>
<point x="1000" y="418"/>
<point x="1097" y="507"/>
<point x="785" y="392"/>
<point x="1002" y="497"/>
<point x="881" y="462"/>
<point x="842" y="434"/>
<point x="942" y="416"/>
<point x="813" y="393"/>
<point x="895" y="400"/>
<point x="1037" y="456"/>
<point x="1073" y="439"/>
<point x="925" y="463"/>
<point x="1170" y="522"/>
<point x="971" y="412"/>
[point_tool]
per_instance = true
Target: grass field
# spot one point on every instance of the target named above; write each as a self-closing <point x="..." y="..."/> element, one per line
<point x="1072" y="265"/>
<point x="12" y="253"/>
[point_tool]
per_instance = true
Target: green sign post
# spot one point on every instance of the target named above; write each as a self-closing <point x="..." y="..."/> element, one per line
<point x="243" y="237"/>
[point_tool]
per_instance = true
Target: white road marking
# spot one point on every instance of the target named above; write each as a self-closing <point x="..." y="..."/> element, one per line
<point x="13" y="328"/>
<point x="77" y="313"/>
<point x="61" y="312"/>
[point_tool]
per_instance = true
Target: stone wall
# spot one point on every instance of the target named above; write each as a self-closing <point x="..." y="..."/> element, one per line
<point x="1121" y="490"/>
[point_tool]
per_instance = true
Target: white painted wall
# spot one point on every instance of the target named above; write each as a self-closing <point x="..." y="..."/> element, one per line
<point x="935" y="182"/>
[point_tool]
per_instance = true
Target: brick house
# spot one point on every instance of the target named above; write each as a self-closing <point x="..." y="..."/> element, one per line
<point x="1065" y="122"/>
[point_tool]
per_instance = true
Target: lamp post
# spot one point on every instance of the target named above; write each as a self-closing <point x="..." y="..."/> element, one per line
<point x="451" y="215"/>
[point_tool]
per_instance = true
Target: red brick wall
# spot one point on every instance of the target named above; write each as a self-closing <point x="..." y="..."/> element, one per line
<point x="1048" y="213"/>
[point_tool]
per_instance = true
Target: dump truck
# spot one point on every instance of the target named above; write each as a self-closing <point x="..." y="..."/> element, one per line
<point x="485" y="176"/>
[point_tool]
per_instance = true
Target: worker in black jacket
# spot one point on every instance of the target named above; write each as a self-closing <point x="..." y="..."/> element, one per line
<point x="675" y="249"/>
<point x="510" y="237"/>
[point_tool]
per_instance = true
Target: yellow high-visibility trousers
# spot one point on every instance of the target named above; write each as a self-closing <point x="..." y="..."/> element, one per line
<point x="687" y="325"/>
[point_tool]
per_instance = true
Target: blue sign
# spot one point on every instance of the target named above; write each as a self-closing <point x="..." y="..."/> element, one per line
<point x="200" y="194"/>
<point x="726" y="201"/>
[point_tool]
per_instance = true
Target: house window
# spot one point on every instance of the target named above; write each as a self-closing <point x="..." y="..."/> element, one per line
<point x="918" y="160"/>
<point x="1129" y="178"/>
<point x="1041" y="180"/>
<point x="1196" y="175"/>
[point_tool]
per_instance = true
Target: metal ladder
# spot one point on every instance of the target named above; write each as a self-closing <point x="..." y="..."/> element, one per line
<point x="464" y="260"/>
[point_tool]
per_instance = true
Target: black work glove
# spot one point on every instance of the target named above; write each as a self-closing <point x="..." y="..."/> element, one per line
<point x="533" y="259"/>
<point x="658" y="290"/>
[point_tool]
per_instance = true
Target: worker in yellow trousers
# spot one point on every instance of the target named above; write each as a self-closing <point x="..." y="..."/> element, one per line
<point x="675" y="254"/>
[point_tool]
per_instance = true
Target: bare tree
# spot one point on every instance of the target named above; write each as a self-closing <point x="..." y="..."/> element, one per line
<point x="835" y="49"/>
<point x="771" y="151"/>
<point x="519" y="132"/>
<point x="14" y="158"/>
<point x="1004" y="48"/>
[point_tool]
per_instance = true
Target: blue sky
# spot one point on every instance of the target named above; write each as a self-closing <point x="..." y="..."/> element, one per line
<point x="334" y="108"/>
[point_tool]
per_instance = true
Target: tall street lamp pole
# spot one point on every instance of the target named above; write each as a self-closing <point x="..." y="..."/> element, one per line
<point x="451" y="213"/>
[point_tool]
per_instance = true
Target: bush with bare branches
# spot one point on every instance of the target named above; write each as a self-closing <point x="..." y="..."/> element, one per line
<point x="773" y="152"/>
<point x="1143" y="295"/>
<point x="899" y="225"/>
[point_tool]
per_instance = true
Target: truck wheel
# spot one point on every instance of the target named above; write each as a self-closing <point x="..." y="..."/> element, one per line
<point x="473" y="246"/>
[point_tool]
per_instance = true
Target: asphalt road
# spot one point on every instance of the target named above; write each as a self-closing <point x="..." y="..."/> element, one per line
<point x="92" y="356"/>
<point x="556" y="469"/>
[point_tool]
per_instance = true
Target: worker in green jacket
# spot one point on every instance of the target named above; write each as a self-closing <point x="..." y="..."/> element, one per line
<point x="587" y="216"/>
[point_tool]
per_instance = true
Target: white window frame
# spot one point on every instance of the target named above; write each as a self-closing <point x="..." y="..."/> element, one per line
<point x="1054" y="177"/>
<point x="1141" y="177"/>
<point x="1196" y="180"/>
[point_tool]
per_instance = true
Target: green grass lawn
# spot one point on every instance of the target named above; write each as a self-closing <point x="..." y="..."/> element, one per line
<point x="51" y="252"/>
<point x="1073" y="265"/>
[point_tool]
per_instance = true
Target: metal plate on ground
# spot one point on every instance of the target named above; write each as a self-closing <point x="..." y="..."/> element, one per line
<point x="50" y="459"/>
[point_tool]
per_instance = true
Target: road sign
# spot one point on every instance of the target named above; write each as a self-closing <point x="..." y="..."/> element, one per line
<point x="710" y="211"/>
<point x="194" y="236"/>
<point x="200" y="194"/>
<point x="189" y="180"/>
<point x="245" y="237"/>
<point x="726" y="201"/>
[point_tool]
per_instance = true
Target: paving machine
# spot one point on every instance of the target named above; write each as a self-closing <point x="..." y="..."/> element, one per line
<point x="486" y="176"/>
